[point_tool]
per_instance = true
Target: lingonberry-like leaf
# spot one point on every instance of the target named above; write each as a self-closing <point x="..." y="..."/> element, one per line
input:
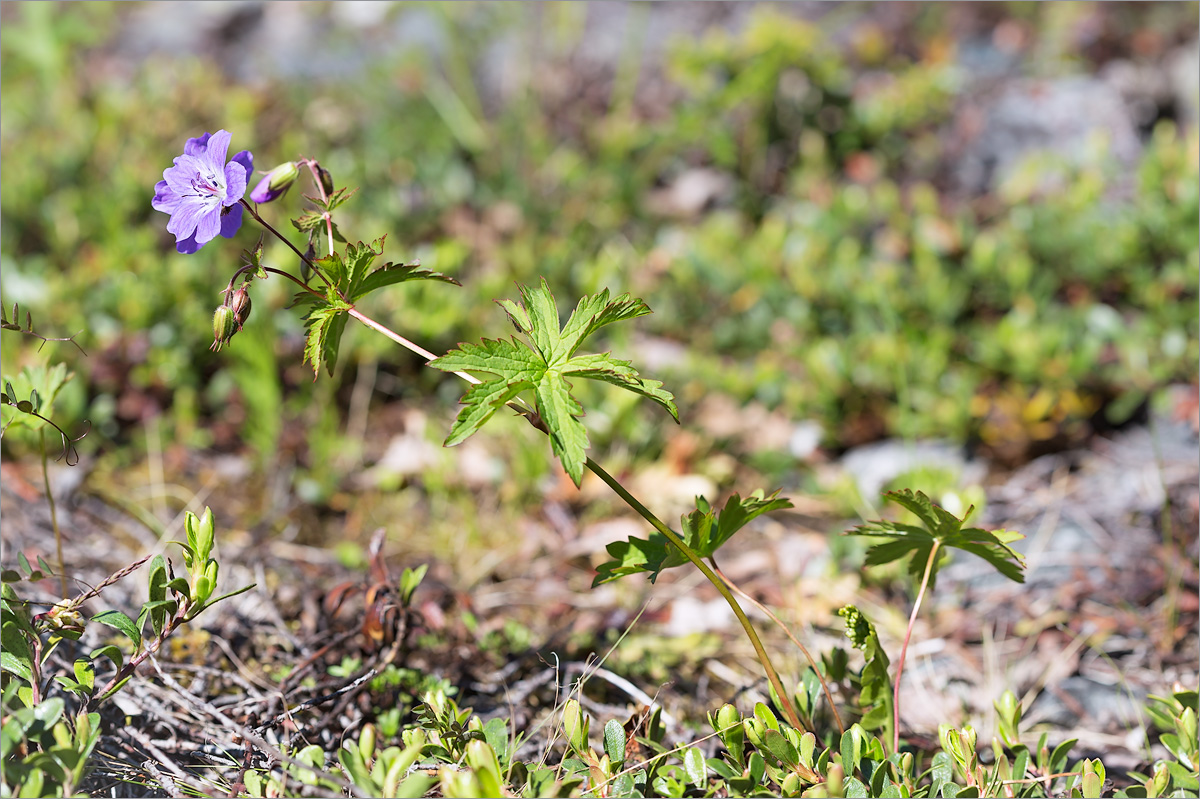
<point x="938" y="525"/>
<point x="543" y="365"/>
<point x="119" y="621"/>
<point x="704" y="530"/>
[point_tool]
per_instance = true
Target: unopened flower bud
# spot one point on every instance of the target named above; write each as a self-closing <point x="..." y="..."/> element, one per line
<point x="309" y="254"/>
<point x="65" y="619"/>
<point x="239" y="301"/>
<point x="326" y="180"/>
<point x="276" y="182"/>
<point x="224" y="326"/>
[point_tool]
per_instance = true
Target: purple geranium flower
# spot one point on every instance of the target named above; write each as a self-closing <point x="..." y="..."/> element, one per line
<point x="201" y="191"/>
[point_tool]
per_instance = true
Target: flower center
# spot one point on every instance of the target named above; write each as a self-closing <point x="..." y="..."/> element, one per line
<point x="209" y="187"/>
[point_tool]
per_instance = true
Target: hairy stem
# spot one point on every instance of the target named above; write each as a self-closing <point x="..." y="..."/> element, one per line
<point x="912" y="619"/>
<point x="62" y="569"/>
<point x="402" y="341"/>
<point x="824" y="685"/>
<point x="717" y="582"/>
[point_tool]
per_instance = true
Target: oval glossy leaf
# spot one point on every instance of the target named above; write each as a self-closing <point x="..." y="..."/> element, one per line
<point x="694" y="765"/>
<point x="119" y="621"/>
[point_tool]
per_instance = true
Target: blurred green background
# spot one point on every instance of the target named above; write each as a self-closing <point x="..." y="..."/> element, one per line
<point x="825" y="215"/>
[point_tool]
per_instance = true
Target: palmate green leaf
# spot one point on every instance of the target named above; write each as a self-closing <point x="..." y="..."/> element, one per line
<point x="622" y="374"/>
<point x="334" y="268"/>
<point x="636" y="555"/>
<point x="336" y="199"/>
<point x="543" y="366"/>
<point x="310" y="220"/>
<point x="390" y="273"/>
<point x="325" y="323"/>
<point x="542" y="319"/>
<point x="991" y="546"/>
<point x="599" y="312"/>
<point x="358" y="260"/>
<point x="704" y="530"/>
<point x="361" y="282"/>
<point x="353" y="279"/>
<point x="479" y="404"/>
<point x="739" y="512"/>
<point x="940" y="525"/>
<point x="560" y="411"/>
<point x="508" y="359"/>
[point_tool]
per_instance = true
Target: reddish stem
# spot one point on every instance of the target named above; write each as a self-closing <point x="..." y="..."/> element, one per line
<point x="912" y="619"/>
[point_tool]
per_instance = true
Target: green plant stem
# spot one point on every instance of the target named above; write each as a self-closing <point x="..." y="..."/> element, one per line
<point x="778" y="621"/>
<point x="717" y="582"/>
<point x="912" y="619"/>
<point x="366" y="320"/>
<point x="62" y="569"/>
<point x="596" y="469"/>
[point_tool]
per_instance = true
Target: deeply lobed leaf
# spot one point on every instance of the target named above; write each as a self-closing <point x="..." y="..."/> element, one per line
<point x="543" y="366"/>
<point x="704" y="531"/>
<point x="941" y="526"/>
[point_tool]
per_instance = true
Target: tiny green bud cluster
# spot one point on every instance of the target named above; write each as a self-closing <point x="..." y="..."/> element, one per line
<point x="202" y="569"/>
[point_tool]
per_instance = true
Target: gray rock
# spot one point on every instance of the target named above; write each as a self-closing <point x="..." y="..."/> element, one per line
<point x="875" y="465"/>
<point x="1058" y="116"/>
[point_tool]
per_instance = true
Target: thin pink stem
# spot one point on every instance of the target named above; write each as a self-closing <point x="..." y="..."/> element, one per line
<point x="912" y="619"/>
<point x="403" y="342"/>
<point x="312" y="168"/>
